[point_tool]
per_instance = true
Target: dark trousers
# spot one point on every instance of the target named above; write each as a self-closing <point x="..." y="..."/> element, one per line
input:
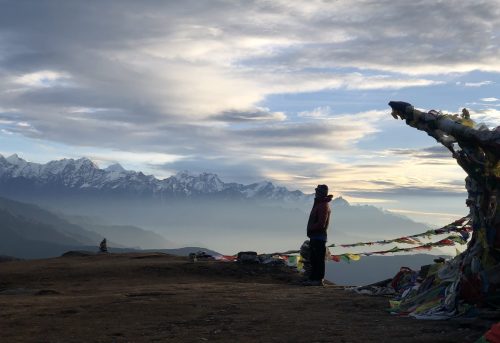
<point x="318" y="251"/>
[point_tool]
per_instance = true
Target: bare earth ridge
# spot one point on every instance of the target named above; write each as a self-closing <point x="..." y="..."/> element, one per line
<point x="161" y="298"/>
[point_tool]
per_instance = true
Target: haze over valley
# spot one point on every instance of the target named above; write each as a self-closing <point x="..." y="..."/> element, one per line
<point x="184" y="209"/>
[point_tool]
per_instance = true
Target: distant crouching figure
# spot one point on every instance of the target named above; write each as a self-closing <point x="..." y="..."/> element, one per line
<point x="103" y="247"/>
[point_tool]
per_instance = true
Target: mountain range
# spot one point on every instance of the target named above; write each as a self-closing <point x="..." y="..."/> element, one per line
<point x="84" y="176"/>
<point x="190" y="210"/>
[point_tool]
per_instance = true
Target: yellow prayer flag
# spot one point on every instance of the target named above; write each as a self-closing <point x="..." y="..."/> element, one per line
<point x="394" y="303"/>
<point x="354" y="257"/>
<point x="300" y="264"/>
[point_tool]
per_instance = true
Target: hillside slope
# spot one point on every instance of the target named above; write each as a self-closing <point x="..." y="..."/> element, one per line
<point x="124" y="235"/>
<point x="29" y="231"/>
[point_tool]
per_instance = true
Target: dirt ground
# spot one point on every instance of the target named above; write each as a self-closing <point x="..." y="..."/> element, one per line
<point x="160" y="298"/>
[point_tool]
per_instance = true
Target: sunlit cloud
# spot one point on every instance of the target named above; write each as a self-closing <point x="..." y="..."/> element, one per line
<point x="86" y="109"/>
<point x="436" y="218"/>
<point x="133" y="160"/>
<point x="422" y="213"/>
<point x="488" y="116"/>
<point x="42" y="79"/>
<point x="478" y="84"/>
<point x="6" y="132"/>
<point x="318" y="112"/>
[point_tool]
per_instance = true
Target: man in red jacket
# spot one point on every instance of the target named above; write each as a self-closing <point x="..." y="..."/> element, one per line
<point x="317" y="227"/>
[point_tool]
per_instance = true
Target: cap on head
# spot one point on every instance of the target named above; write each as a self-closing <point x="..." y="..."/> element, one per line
<point x="322" y="190"/>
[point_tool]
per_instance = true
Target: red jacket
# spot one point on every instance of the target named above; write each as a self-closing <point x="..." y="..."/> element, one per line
<point x="319" y="217"/>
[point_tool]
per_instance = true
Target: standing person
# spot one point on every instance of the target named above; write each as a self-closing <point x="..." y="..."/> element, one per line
<point x="317" y="227"/>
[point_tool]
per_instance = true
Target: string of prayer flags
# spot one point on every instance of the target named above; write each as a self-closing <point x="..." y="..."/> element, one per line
<point x="459" y="226"/>
<point x="448" y="241"/>
<point x="407" y="240"/>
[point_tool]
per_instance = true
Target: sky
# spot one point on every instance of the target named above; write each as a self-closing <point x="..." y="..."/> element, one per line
<point x="294" y="92"/>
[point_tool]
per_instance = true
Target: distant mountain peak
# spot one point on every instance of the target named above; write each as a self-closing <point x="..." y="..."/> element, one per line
<point x="13" y="156"/>
<point x="115" y="167"/>
<point x="15" y="159"/>
<point x="185" y="174"/>
<point x="85" y="161"/>
<point x="340" y="202"/>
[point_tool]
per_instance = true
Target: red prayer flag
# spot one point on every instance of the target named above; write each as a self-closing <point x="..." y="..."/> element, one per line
<point x="335" y="258"/>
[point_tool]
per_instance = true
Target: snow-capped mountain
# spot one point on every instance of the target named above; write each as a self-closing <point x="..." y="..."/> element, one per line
<point x="84" y="175"/>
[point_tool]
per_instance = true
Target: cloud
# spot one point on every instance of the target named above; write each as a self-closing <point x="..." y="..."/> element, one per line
<point x="394" y="41"/>
<point x="194" y="60"/>
<point x="134" y="158"/>
<point x="488" y="116"/>
<point x="225" y="167"/>
<point x="423" y="216"/>
<point x="6" y="122"/>
<point x="257" y="114"/>
<point x="430" y="153"/>
<point x="478" y="84"/>
<point x="318" y="112"/>
<point x="391" y="192"/>
<point x="43" y="78"/>
<point x="490" y="99"/>
<point x="383" y="175"/>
